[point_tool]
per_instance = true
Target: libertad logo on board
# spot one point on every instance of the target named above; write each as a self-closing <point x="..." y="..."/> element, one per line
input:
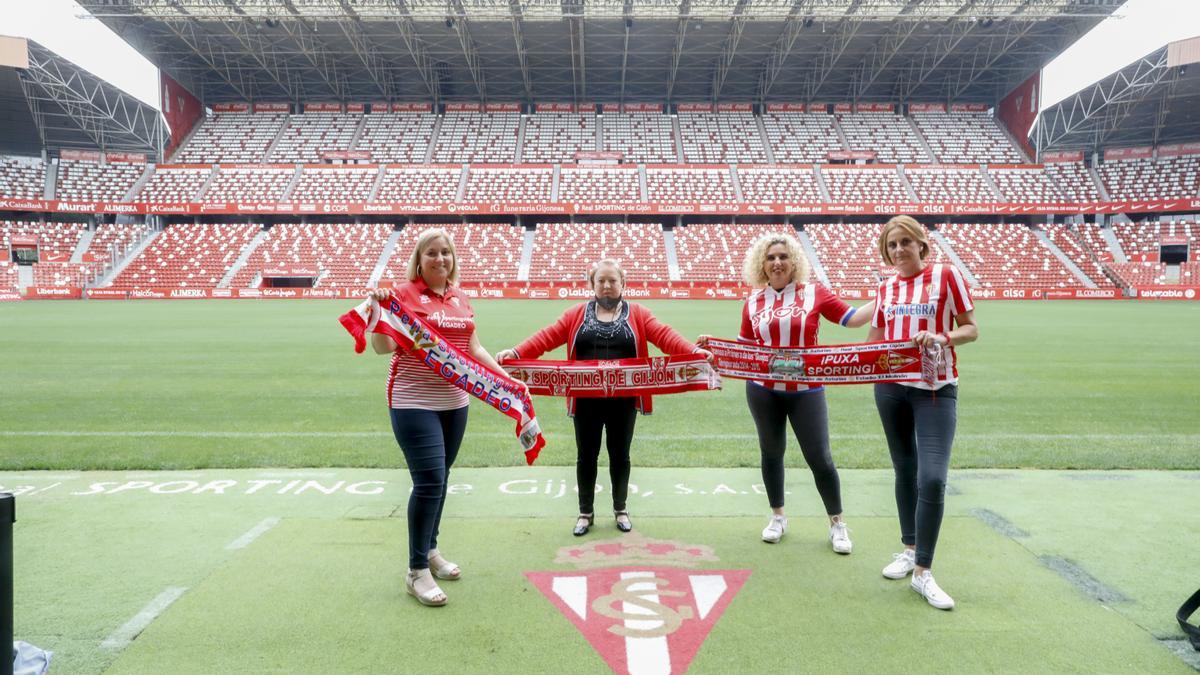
<point x="641" y="603"/>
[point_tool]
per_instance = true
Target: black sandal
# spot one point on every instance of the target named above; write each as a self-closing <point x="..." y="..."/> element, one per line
<point x="582" y="524"/>
<point x="627" y="525"/>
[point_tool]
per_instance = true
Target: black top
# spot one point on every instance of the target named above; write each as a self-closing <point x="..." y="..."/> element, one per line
<point x="605" y="339"/>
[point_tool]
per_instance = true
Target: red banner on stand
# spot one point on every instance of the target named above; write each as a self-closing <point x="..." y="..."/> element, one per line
<point x="231" y="107"/>
<point x="1177" y="149"/>
<point x="876" y="107"/>
<point x="125" y="157"/>
<point x="80" y="155"/>
<point x="969" y="107"/>
<point x="555" y="107"/>
<point x="735" y="107"/>
<point x="786" y="107"/>
<point x="272" y="107"/>
<point x="323" y="107"/>
<point x="1141" y="152"/>
<point x="1062" y="156"/>
<point x="927" y="107"/>
<point x="428" y="107"/>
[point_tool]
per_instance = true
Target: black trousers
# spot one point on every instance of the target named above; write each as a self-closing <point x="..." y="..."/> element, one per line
<point x="594" y="416"/>
<point x="806" y="411"/>
<point x="430" y="440"/>
<point x="919" y="425"/>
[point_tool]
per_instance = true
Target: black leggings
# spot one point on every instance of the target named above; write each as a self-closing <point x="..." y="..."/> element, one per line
<point x="592" y="416"/>
<point x="919" y="425"/>
<point x="806" y="411"/>
<point x="430" y="440"/>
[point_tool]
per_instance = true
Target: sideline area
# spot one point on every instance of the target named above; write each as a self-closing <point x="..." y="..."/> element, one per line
<point x="297" y="570"/>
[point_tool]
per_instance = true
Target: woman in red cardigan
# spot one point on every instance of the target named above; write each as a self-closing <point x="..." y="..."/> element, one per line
<point x="605" y="327"/>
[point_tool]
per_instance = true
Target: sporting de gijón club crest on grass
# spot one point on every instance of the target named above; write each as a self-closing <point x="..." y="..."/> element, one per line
<point x="646" y="605"/>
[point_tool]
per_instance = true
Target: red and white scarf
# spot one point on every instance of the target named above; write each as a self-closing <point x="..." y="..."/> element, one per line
<point x="893" y="361"/>
<point x="452" y="364"/>
<point x="615" y="377"/>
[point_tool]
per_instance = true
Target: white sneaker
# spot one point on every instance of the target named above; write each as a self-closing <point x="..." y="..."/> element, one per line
<point x="839" y="537"/>
<point x="933" y="594"/>
<point x="902" y="564"/>
<point x="774" y="530"/>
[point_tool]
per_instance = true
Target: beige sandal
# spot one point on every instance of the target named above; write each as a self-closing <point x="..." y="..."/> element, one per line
<point x="442" y="568"/>
<point x="432" y="595"/>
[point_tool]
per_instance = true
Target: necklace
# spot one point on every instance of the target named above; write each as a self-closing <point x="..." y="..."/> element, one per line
<point x="605" y="330"/>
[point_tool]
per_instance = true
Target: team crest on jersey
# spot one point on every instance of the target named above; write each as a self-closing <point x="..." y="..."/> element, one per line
<point x="425" y="300"/>
<point x="642" y="603"/>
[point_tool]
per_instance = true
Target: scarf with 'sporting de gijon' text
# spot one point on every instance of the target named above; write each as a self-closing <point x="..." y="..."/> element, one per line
<point x="450" y="363"/>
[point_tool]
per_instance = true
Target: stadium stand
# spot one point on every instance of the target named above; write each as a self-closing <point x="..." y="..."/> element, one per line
<point x="556" y="137"/>
<point x="55" y="241"/>
<point x="711" y="186"/>
<point x="22" y="177"/>
<point x="486" y="251"/>
<point x="949" y="185"/>
<point x="307" y="136"/>
<point x="231" y="138"/>
<point x="640" y="136"/>
<point x="566" y="251"/>
<point x="9" y="276"/>
<point x="967" y="138"/>
<point x="174" y="185"/>
<point x="1073" y="181"/>
<point x="1139" y="273"/>
<point x="401" y="138"/>
<point x="344" y="254"/>
<point x="195" y="255"/>
<point x="1007" y="255"/>
<point x="1140" y="241"/>
<point x="92" y="180"/>
<point x="716" y="251"/>
<point x="419" y="184"/>
<point x="62" y="274"/>
<point x="1139" y="179"/>
<point x="849" y="252"/>
<point x="511" y="185"/>
<point x="110" y="237"/>
<point x="801" y="138"/>
<point x="888" y="134"/>
<point x="1071" y="243"/>
<point x="598" y="185"/>
<point x="246" y="184"/>
<point x="1025" y="185"/>
<point x="335" y="184"/>
<point x="477" y="137"/>
<point x="779" y="184"/>
<point x="721" y="138"/>
<point x="864" y="185"/>
<point x="1092" y="238"/>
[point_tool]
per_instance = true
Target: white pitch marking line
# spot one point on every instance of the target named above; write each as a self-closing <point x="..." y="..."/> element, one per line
<point x="121" y="637"/>
<point x="252" y="534"/>
<point x="495" y="434"/>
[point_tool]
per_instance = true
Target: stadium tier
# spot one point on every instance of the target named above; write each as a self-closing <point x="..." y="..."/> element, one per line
<point x="232" y="184"/>
<point x="801" y="138"/>
<point x="111" y="239"/>
<point x="557" y="137"/>
<point x="1141" y="241"/>
<point x="9" y="276"/>
<point x="348" y="183"/>
<point x="967" y="138"/>
<point x="647" y="137"/>
<point x="22" y="177"/>
<point x="187" y="255"/>
<point x="477" y="137"/>
<point x="715" y="252"/>
<point x="860" y="184"/>
<point x="599" y="185"/>
<point x="93" y="180"/>
<point x="1007" y="255"/>
<point x="307" y="136"/>
<point x="232" y="138"/>
<point x="566" y="251"/>
<point x="174" y="185"/>
<point x="342" y="255"/>
<point x="890" y="136"/>
<point x="1139" y="273"/>
<point x="1074" y="181"/>
<point x="849" y="253"/>
<point x="1136" y="179"/>
<point x="779" y="184"/>
<point x="487" y="251"/>
<point x="55" y="242"/>
<point x="710" y="186"/>
<point x="397" y="137"/>
<point x="1092" y="237"/>
<point x="487" y="184"/>
<point x="721" y="138"/>
<point x="949" y="185"/>
<point x="417" y="184"/>
<point x="1025" y="185"/>
<point x="1071" y="243"/>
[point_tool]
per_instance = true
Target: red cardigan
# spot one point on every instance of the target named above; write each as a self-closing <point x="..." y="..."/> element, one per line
<point x="641" y="320"/>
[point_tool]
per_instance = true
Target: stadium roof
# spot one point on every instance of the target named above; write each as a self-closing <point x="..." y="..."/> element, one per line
<point x="56" y="104"/>
<point x="1153" y="100"/>
<point x="972" y="51"/>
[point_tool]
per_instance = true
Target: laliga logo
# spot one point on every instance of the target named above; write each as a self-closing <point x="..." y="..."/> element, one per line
<point x="562" y="292"/>
<point x="641" y="602"/>
<point x="1189" y="293"/>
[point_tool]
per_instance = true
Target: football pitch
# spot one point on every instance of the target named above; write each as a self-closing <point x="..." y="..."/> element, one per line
<point x="212" y="486"/>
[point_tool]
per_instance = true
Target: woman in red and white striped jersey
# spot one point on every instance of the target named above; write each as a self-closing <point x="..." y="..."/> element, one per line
<point x="787" y="312"/>
<point x="930" y="305"/>
<point x="429" y="415"/>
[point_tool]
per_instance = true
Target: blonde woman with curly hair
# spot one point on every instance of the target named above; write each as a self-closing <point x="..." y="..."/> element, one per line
<point x="787" y="312"/>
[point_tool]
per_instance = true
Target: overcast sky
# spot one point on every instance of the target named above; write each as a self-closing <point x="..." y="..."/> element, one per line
<point x="1136" y="29"/>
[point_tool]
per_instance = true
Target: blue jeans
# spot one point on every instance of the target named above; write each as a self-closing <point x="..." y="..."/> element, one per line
<point x="430" y="440"/>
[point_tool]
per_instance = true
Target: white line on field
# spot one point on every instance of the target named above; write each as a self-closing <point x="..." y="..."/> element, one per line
<point x="121" y="637"/>
<point x="252" y="534"/>
<point x="496" y="434"/>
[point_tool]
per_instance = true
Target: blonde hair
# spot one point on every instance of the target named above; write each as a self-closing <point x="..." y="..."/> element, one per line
<point x="423" y="242"/>
<point x="606" y="262"/>
<point x="756" y="258"/>
<point x="909" y="225"/>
